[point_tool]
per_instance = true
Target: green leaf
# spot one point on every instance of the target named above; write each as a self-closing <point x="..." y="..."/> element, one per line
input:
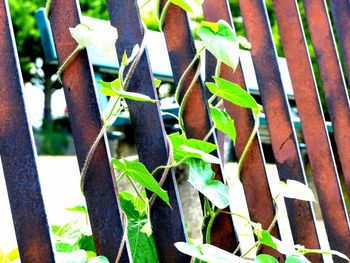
<point x="213" y="26"/>
<point x="78" y="208"/>
<point x="267" y="240"/>
<point x="263" y="258"/>
<point x="86" y="242"/>
<point x="232" y="93"/>
<point x="184" y="4"/>
<point x="221" y="41"/>
<point x="208" y="253"/>
<point x="223" y="122"/>
<point x="302" y="250"/>
<point x="99" y="259"/>
<point x="142" y="247"/>
<point x="131" y="211"/>
<point x="107" y="88"/>
<point x="64" y="247"/>
<point x="189" y="249"/>
<point x="82" y="35"/>
<point x="13" y="255"/>
<point x="296" y="190"/>
<point x="297" y="259"/>
<point x="137" y="171"/>
<point x="69" y="231"/>
<point x="134" y="96"/>
<point x="90" y="36"/>
<point x="201" y="177"/>
<point x="200" y="154"/>
<point x="264" y="236"/>
<point x="157" y="82"/>
<point x="139" y="205"/>
<point x="244" y="42"/>
<point x="191" y="148"/>
<point x="90" y="254"/>
<point x="127" y="60"/>
<point x="77" y="256"/>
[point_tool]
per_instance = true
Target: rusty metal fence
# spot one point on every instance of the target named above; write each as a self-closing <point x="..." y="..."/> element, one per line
<point x="16" y="140"/>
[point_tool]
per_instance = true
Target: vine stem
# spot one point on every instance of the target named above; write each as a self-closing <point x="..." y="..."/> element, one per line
<point x="184" y="75"/>
<point x="162" y="15"/>
<point x="211" y="131"/>
<point x="186" y="96"/>
<point x="144" y="4"/>
<point x="257" y="243"/>
<point x="122" y="242"/>
<point x="93" y="148"/>
<point x="104" y="127"/>
<point x="218" y="69"/>
<point x="166" y="170"/>
<point x="210" y="224"/>
<point x="249" y="143"/>
<point x="68" y="60"/>
<point x="172" y="165"/>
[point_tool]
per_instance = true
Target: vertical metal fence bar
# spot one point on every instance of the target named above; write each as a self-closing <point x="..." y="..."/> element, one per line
<point x="280" y="127"/>
<point x="196" y="117"/>
<point x="253" y="174"/>
<point x="80" y="92"/>
<point x="341" y="18"/>
<point x="18" y="155"/>
<point x="168" y="223"/>
<point x="332" y="78"/>
<point x="314" y="130"/>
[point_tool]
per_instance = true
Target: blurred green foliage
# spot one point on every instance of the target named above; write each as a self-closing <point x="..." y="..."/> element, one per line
<point x="27" y="33"/>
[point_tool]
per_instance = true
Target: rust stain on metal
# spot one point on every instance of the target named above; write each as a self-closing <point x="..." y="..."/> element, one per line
<point x="253" y="174"/>
<point x="317" y="142"/>
<point x="149" y="133"/>
<point x="331" y="73"/>
<point x="100" y="193"/>
<point x="280" y="127"/>
<point x="17" y="151"/>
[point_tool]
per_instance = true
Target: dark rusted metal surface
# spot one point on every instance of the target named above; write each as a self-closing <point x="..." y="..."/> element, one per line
<point x="314" y="130"/>
<point x="196" y="117"/>
<point x="341" y="17"/>
<point x="85" y="119"/>
<point x="281" y="131"/>
<point x="168" y="223"/>
<point x="253" y="174"/>
<point x="17" y="153"/>
<point x="332" y="78"/>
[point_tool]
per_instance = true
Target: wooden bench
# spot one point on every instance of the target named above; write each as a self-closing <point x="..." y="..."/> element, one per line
<point x="17" y="150"/>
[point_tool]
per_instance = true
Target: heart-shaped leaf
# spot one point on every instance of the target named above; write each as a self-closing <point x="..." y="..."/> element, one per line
<point x="103" y="39"/>
<point x="232" y="93"/>
<point x="201" y="177"/>
<point x="296" y="190"/>
<point x="220" y="39"/>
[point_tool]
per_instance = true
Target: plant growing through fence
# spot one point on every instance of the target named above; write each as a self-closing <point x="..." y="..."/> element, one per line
<point x="220" y="40"/>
